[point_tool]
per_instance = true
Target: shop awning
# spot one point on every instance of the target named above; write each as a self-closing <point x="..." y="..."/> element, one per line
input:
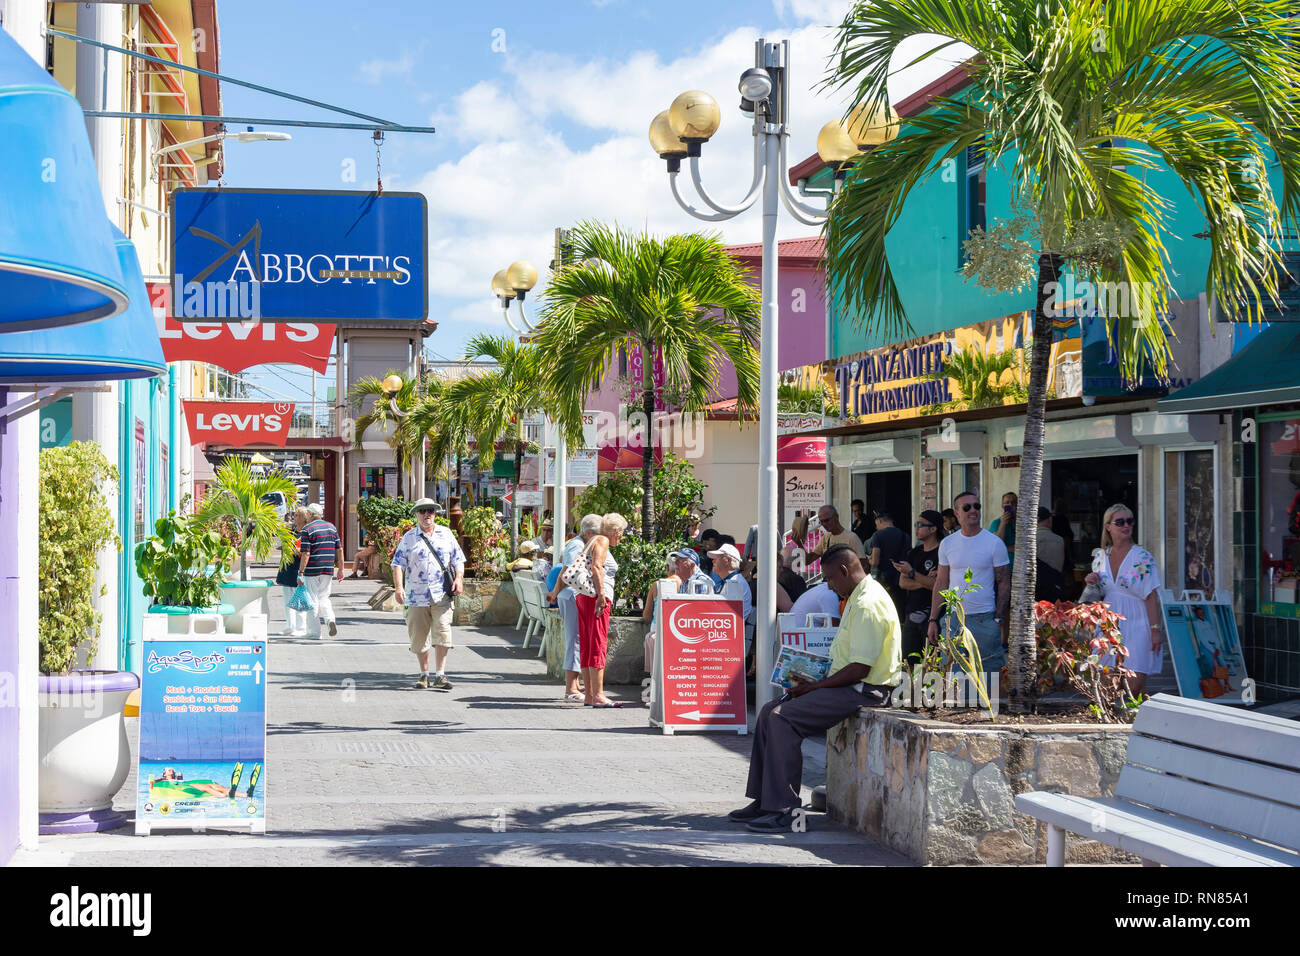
<point x="57" y="262"/>
<point x="800" y="450"/>
<point x="125" y="346"/>
<point x="1265" y="372"/>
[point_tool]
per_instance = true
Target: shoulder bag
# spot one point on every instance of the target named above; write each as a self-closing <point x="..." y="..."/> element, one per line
<point x="447" y="579"/>
<point x="578" y="575"/>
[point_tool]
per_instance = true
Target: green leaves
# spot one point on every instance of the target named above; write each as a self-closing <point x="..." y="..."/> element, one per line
<point x="237" y="494"/>
<point x="174" y="564"/>
<point x="75" y="524"/>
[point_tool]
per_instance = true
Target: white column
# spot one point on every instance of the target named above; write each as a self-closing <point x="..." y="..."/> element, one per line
<point x="25" y="442"/>
<point x="767" y="483"/>
<point x="23" y="20"/>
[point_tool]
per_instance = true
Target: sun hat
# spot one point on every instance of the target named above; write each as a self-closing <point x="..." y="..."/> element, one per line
<point x="528" y="547"/>
<point x="424" y="504"/>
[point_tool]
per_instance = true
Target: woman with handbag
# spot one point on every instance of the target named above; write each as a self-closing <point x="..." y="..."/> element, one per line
<point x="1129" y="579"/>
<point x="595" y="602"/>
<point x="295" y="622"/>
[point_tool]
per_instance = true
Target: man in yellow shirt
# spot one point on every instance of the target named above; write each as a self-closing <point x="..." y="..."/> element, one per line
<point x="866" y="664"/>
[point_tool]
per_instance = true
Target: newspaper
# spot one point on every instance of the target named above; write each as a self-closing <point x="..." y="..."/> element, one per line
<point x="809" y="666"/>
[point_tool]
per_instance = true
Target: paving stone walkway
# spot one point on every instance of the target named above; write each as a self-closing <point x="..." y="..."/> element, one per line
<point x="364" y="769"/>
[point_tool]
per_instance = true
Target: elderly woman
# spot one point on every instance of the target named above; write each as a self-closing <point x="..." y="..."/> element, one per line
<point x="575" y="549"/>
<point x="593" y="612"/>
<point x="295" y="622"/>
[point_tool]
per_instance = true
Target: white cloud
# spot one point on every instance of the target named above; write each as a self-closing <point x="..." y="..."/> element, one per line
<point x="520" y="174"/>
<point x="376" y="71"/>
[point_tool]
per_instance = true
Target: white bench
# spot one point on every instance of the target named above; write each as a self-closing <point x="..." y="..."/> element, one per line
<point x="1203" y="785"/>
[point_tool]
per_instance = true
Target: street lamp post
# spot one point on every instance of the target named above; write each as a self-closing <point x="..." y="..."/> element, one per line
<point x="679" y="133"/>
<point x="513" y="284"/>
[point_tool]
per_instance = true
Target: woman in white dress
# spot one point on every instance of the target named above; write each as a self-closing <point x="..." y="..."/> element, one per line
<point x="1129" y="579"/>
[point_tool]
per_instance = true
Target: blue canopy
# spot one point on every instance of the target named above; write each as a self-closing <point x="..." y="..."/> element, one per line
<point x="57" y="263"/>
<point x="125" y="346"/>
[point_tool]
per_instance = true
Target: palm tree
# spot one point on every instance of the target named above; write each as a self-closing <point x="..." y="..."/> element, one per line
<point x="1081" y="100"/>
<point x="682" y="298"/>
<point x="443" y="424"/>
<point x="491" y="405"/>
<point x="979" y="379"/>
<point x="383" y="414"/>
<point x="239" y="494"/>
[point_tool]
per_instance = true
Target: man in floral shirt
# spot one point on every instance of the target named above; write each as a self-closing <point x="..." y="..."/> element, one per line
<point x="418" y="581"/>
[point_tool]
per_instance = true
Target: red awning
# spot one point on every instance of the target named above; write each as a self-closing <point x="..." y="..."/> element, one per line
<point x="800" y="450"/>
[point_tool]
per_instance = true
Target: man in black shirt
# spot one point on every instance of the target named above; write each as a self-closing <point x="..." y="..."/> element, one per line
<point x="861" y="526"/>
<point x="886" y="546"/>
<point x="916" y="579"/>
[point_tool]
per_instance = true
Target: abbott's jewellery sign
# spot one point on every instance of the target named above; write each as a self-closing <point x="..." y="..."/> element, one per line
<point x="298" y="255"/>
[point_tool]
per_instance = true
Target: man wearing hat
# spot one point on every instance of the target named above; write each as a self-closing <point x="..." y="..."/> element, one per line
<point x="726" y="565"/>
<point x="687" y="566"/>
<point x="423" y="556"/>
<point x="544" y="536"/>
<point x="321" y="561"/>
<point x="525" y="560"/>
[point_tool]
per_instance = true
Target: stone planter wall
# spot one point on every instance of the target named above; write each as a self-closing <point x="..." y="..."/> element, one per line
<point x="624" y="655"/>
<point x="944" y="793"/>
<point x="485" y="603"/>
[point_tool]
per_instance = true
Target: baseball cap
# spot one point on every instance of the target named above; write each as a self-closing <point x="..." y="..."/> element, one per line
<point x="726" y="551"/>
<point x="932" y="517"/>
<point x="686" y="554"/>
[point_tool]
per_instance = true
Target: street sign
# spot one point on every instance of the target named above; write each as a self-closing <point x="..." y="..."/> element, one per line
<point x="299" y="255"/>
<point x="699" y="678"/>
<point x="529" y="497"/>
<point x="583" y="467"/>
<point x="594" y="423"/>
<point x="202" y="751"/>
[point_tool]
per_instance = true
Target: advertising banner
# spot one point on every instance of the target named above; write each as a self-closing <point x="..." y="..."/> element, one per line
<point x="299" y="255"/>
<point x="802" y="489"/>
<point x="699" y="665"/>
<point x="236" y="346"/>
<point x="1203" y="640"/>
<point x="202" y="749"/>
<point x="239" y="423"/>
<point x="816" y="638"/>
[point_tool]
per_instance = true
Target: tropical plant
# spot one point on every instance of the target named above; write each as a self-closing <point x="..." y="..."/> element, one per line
<point x="959" y="648"/>
<point x="386" y="411"/>
<point x="75" y="524"/>
<point x="484" y="540"/>
<point x="793" y="400"/>
<point x="1082" y="645"/>
<point x="387" y="538"/>
<point x="1084" y="102"/>
<point x="240" y="494"/>
<point x="443" y="424"/>
<point x="683" y="298"/>
<point x="979" y="377"/>
<point x="493" y="404"/>
<point x="640" y="563"/>
<point x="678" y="495"/>
<point x="615" y="492"/>
<point x="183" y="564"/>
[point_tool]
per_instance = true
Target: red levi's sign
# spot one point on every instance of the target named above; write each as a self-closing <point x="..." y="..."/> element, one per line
<point x="235" y="347"/>
<point x="239" y="423"/>
<point x="703" y="664"/>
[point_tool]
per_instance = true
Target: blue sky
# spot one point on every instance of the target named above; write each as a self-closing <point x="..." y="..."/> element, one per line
<point x="541" y="110"/>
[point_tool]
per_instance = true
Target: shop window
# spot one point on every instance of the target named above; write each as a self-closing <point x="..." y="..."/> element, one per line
<point x="1189" y="520"/>
<point x="963" y="476"/>
<point x="1279" y="516"/>
<point x="973" y="200"/>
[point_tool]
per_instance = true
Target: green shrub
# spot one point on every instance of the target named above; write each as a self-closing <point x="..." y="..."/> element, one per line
<point x="615" y="491"/>
<point x="640" y="563"/>
<point x="484" y="540"/>
<point x="75" y="523"/>
<point x="378" y="512"/>
<point x="678" y="494"/>
<point x="174" y="564"/>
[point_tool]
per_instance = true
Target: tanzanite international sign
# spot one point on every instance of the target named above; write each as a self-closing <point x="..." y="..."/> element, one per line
<point x="299" y="255"/>
<point x="202" y="752"/>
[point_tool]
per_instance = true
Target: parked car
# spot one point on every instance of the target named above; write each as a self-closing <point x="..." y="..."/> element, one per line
<point x="281" y="503"/>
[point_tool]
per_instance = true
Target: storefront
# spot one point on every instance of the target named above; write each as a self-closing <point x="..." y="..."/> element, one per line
<point x="1260" y="387"/>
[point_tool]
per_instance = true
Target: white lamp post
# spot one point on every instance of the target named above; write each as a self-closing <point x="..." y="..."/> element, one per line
<point x="678" y="133"/>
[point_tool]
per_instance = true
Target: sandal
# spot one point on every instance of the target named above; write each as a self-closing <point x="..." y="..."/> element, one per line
<point x="575" y="698"/>
<point x="609" y="703"/>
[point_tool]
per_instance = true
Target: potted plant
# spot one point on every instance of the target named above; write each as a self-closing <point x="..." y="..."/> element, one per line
<point x="245" y="502"/>
<point x="183" y="568"/>
<point x="83" y="746"/>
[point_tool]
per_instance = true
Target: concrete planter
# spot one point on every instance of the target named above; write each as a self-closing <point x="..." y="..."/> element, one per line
<point x="181" y="619"/>
<point x="84" y="752"/>
<point x="944" y="793"/>
<point x="246" y="597"/>
<point x="624" y="655"/>
<point x="486" y="602"/>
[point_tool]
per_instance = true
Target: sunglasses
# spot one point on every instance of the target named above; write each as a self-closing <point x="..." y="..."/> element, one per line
<point x="922" y="524"/>
<point x="1121" y="522"/>
<point x="975" y="507"/>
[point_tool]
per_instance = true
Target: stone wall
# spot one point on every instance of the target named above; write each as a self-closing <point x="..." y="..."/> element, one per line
<point x="486" y="602"/>
<point x="624" y="655"/>
<point x="944" y="793"/>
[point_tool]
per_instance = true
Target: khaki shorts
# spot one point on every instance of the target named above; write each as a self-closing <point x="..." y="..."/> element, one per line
<point x="424" y="622"/>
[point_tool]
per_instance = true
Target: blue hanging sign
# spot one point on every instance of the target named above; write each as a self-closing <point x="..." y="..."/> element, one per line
<point x="299" y="255"/>
<point x="202" y="753"/>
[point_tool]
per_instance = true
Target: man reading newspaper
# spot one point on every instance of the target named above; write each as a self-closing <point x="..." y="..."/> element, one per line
<point x="866" y="664"/>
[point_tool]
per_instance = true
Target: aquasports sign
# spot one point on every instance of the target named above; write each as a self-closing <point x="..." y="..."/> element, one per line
<point x="299" y="255"/>
<point x="202" y="748"/>
<point x="239" y="423"/>
<point x="236" y="346"/>
<point x="700" y="665"/>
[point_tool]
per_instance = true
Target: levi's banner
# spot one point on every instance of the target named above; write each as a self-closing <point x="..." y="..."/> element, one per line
<point x="299" y="255"/>
<point x="700" y="665"/>
<point x="239" y="423"/>
<point x="202" y="752"/>
<point x="236" y="346"/>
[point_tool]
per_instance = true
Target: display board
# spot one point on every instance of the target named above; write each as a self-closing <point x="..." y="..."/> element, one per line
<point x="814" y="634"/>
<point x="699" y="674"/>
<point x="202" y="748"/>
<point x="582" y="469"/>
<point x="1203" y="640"/>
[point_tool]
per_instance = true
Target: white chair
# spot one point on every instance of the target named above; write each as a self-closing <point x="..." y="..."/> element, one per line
<point x="515" y="576"/>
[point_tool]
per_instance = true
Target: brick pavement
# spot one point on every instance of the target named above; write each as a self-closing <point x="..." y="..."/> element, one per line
<point x="498" y="770"/>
